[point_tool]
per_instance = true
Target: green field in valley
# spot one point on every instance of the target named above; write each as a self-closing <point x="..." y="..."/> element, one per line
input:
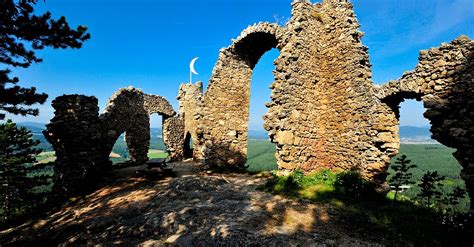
<point x="427" y="157"/>
<point x="261" y="156"/>
<point x="155" y="153"/>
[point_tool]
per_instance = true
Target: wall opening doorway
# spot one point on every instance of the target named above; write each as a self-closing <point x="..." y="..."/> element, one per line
<point x="260" y="151"/>
<point x="428" y="155"/>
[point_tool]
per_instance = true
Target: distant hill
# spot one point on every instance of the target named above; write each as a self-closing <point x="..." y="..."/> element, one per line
<point x="258" y="134"/>
<point x="34" y="127"/>
<point x="407" y="133"/>
<point x="37" y="131"/>
<point x="411" y="132"/>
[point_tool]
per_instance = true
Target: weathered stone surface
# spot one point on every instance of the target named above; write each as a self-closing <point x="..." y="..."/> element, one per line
<point x="174" y="137"/>
<point x="325" y="112"/>
<point x="83" y="140"/>
<point x="444" y="81"/>
<point x="75" y="133"/>
<point x="191" y="109"/>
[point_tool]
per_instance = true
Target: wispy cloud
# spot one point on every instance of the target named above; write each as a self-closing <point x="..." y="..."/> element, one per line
<point x="414" y="24"/>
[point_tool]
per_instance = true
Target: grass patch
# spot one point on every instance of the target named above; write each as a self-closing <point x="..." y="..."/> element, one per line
<point x="155" y="153"/>
<point x="427" y="157"/>
<point x="351" y="194"/>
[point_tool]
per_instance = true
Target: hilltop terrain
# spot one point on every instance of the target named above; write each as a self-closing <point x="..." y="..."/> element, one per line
<point x="193" y="208"/>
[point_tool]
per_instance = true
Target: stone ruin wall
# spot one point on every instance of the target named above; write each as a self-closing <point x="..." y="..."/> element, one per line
<point x="318" y="115"/>
<point x="83" y="139"/>
<point x="226" y="101"/>
<point x="76" y="136"/>
<point x="173" y="137"/>
<point x="190" y="109"/>
<point x="325" y="112"/>
<point x="444" y="81"/>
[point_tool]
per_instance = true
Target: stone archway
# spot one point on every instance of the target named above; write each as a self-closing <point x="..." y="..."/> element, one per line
<point x="225" y="113"/>
<point x="443" y="80"/>
<point x="129" y="110"/>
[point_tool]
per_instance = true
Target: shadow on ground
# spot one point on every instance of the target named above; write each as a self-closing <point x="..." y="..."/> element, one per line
<point x="193" y="208"/>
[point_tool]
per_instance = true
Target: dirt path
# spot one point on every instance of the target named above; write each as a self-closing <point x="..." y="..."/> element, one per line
<point x="193" y="208"/>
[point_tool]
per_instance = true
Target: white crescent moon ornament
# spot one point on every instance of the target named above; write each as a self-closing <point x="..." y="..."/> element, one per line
<point x="191" y="66"/>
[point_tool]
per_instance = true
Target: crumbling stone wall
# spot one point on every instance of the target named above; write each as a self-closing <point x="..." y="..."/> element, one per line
<point x="325" y="111"/>
<point x="174" y="137"/>
<point x="318" y="116"/>
<point x="226" y="101"/>
<point x="75" y="133"/>
<point x="83" y="140"/>
<point x="318" y="113"/>
<point x="444" y="81"/>
<point x="191" y="108"/>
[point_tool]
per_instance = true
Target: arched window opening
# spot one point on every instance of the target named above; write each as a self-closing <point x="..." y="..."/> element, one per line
<point x="260" y="151"/>
<point x="157" y="148"/>
<point x="428" y="155"/>
<point x="119" y="152"/>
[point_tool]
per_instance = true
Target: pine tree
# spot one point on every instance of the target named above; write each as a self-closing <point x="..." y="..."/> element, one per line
<point x="20" y="29"/>
<point x="402" y="175"/>
<point x="17" y="172"/>
<point x="21" y="34"/>
<point x="429" y="187"/>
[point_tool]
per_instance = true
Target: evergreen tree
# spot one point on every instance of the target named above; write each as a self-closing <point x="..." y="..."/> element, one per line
<point x="17" y="172"/>
<point x="452" y="199"/>
<point x="429" y="187"/>
<point x="402" y="175"/>
<point x="21" y="33"/>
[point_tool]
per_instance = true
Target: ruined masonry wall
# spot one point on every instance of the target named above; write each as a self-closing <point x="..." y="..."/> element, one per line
<point x="225" y="114"/>
<point x="174" y="136"/>
<point x="191" y="108"/>
<point x="76" y="136"/>
<point x="83" y="140"/>
<point x="318" y="114"/>
<point x="444" y="81"/>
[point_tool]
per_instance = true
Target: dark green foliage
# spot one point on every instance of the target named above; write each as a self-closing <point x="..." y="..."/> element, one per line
<point x="19" y="178"/>
<point x="402" y="175"/>
<point x="453" y="198"/>
<point x="120" y="148"/>
<point x="21" y="33"/>
<point x="295" y="180"/>
<point x="430" y="187"/>
<point x="430" y="157"/>
<point x="350" y="183"/>
<point x="349" y="193"/>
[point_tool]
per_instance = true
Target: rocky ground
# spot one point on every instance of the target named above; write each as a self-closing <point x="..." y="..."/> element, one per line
<point x="192" y="208"/>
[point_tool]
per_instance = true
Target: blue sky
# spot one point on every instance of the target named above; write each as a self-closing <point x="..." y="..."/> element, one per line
<point x="149" y="43"/>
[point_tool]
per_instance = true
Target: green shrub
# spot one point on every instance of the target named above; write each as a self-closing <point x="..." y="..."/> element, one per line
<point x="295" y="180"/>
<point x="351" y="184"/>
